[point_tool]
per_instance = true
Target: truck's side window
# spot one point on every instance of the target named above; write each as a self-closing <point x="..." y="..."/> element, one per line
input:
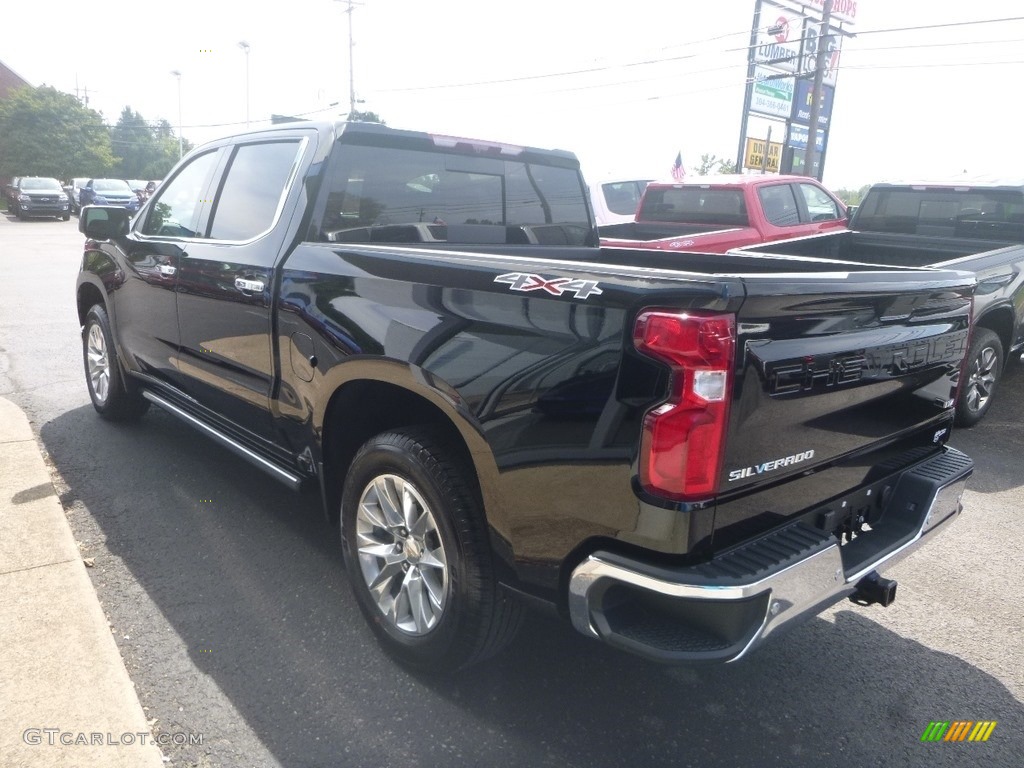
<point x="251" y="194"/>
<point x="176" y="210"/>
<point x="779" y="204"/>
<point x="820" y="207"/>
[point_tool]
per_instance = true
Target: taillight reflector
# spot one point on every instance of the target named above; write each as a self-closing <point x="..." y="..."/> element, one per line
<point x="684" y="438"/>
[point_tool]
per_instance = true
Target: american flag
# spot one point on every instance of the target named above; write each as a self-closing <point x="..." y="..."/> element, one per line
<point x="678" y="172"/>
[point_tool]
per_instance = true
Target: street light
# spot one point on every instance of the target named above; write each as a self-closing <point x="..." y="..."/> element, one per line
<point x="245" y="47"/>
<point x="177" y="74"/>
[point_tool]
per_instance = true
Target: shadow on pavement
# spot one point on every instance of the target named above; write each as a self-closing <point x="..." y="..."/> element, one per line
<point x="248" y="576"/>
<point x="996" y="441"/>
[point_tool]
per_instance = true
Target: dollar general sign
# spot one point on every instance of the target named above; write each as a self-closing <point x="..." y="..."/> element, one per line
<point x="755" y="155"/>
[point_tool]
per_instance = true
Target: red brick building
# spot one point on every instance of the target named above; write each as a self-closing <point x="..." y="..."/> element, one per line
<point x="9" y="80"/>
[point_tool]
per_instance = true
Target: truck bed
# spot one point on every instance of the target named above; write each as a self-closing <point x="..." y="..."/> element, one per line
<point x="883" y="248"/>
<point x="634" y="230"/>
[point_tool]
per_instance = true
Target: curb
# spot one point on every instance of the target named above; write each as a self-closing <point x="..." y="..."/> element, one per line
<point x="67" y="697"/>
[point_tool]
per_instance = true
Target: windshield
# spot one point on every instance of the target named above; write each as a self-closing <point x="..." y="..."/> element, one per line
<point x="110" y="185"/>
<point x="48" y="185"/>
<point x="417" y="196"/>
<point x="695" y="205"/>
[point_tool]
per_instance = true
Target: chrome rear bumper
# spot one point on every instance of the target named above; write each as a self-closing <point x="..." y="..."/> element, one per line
<point x="721" y="610"/>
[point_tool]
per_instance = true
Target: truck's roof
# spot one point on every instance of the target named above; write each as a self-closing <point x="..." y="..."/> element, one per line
<point x="733" y="180"/>
<point x="959" y="182"/>
<point x="337" y="127"/>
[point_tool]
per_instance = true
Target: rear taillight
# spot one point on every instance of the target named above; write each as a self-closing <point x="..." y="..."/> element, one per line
<point x="684" y="437"/>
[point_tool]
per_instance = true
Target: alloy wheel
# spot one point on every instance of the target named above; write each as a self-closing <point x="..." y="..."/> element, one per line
<point x="982" y="379"/>
<point x="401" y="554"/>
<point x="98" y="362"/>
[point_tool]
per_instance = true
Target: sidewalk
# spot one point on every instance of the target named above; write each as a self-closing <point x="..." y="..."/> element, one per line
<point x="65" y="696"/>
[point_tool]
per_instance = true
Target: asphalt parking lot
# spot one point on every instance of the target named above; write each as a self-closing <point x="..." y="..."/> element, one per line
<point x="229" y="603"/>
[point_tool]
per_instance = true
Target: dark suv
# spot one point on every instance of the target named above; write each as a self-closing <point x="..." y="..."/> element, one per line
<point x="112" y="192"/>
<point x="40" y="196"/>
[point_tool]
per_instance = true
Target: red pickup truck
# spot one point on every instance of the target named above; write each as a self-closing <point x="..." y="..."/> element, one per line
<point x="712" y="214"/>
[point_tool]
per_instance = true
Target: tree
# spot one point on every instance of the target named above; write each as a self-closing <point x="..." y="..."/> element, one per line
<point x="44" y="132"/>
<point x="167" y="156"/>
<point x="714" y="164"/>
<point x="356" y="116"/>
<point x="134" y="144"/>
<point x="852" y="196"/>
<point x="144" y="151"/>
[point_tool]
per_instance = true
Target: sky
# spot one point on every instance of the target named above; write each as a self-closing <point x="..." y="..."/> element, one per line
<point x="626" y="86"/>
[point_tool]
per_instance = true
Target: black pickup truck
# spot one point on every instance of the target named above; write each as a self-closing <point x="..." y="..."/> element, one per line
<point x="971" y="225"/>
<point x="679" y="453"/>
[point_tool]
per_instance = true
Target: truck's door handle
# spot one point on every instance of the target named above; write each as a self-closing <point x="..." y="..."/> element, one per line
<point x="167" y="270"/>
<point x="249" y="286"/>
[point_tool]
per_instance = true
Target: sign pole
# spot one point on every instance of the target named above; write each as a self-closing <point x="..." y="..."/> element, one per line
<point x="748" y="94"/>
<point x="819" y="76"/>
<point x="767" y="149"/>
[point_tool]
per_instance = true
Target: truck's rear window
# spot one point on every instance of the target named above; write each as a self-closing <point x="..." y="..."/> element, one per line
<point x="694" y="205"/>
<point x="414" y="196"/>
<point x="944" y="212"/>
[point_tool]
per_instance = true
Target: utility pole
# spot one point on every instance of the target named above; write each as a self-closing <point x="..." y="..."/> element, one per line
<point x="351" y="60"/>
<point x="351" y="64"/>
<point x="819" y="75"/>
<point x="245" y="47"/>
<point x="177" y="74"/>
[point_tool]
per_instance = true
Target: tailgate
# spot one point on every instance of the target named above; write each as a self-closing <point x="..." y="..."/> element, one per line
<point x="831" y="371"/>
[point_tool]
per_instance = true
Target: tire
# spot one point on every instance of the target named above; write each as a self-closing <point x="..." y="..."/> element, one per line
<point x="422" y="571"/>
<point x="112" y="397"/>
<point x="66" y="217"/>
<point x="982" y="371"/>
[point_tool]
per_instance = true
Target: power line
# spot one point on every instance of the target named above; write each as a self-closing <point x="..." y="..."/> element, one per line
<point x="683" y="57"/>
<point x="938" y="26"/>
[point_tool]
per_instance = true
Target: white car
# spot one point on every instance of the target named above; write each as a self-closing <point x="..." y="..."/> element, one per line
<point x="615" y="201"/>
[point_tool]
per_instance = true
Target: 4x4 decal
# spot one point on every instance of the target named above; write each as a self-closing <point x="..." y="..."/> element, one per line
<point x="522" y="281"/>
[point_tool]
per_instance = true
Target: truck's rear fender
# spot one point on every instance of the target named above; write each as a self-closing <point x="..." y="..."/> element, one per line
<point x="369" y="396"/>
<point x="535" y="381"/>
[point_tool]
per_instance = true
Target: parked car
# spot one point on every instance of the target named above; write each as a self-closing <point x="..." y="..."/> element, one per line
<point x="38" y="196"/>
<point x="711" y="214"/>
<point x="11" y="194"/>
<point x="113" y="191"/>
<point x="615" y="202"/>
<point x="74" y="190"/>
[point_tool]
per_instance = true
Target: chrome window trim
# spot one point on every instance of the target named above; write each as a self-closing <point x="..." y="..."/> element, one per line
<point x="292" y="174"/>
